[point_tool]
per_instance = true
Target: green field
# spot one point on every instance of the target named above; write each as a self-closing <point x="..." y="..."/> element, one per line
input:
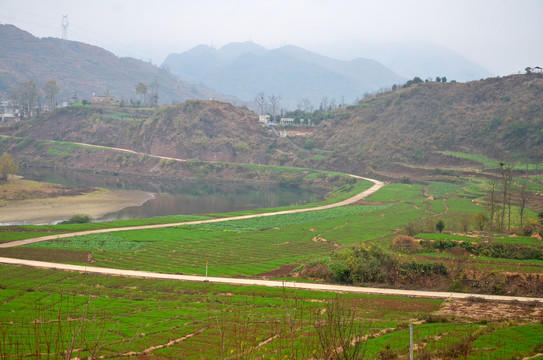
<point x="110" y="316"/>
<point x="114" y="317"/>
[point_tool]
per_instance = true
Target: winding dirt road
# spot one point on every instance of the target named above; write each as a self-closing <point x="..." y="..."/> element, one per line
<point x="236" y="281"/>
<point x="376" y="186"/>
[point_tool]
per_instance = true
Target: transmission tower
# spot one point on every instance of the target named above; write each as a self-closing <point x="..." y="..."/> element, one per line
<point x="65" y="24"/>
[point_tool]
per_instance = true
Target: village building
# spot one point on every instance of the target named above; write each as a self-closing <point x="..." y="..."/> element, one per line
<point x="264" y="119"/>
<point x="286" y="121"/>
<point x="105" y="100"/>
<point x="9" y="113"/>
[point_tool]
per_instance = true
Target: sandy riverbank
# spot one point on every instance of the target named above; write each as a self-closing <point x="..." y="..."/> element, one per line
<point x="48" y="210"/>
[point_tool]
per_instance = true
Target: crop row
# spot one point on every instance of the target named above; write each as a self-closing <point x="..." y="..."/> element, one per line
<point x="120" y="315"/>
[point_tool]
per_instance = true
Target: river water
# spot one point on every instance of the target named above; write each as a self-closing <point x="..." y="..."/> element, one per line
<point x="181" y="197"/>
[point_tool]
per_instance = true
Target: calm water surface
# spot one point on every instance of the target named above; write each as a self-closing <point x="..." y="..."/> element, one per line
<point x="181" y="197"/>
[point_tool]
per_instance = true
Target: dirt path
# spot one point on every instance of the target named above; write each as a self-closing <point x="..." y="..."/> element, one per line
<point x="268" y="283"/>
<point x="376" y="186"/>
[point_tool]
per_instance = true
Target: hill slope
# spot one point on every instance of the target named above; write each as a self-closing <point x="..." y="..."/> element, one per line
<point x="246" y="69"/>
<point x="500" y="118"/>
<point x="195" y="129"/>
<point x="84" y="68"/>
<point x="497" y="117"/>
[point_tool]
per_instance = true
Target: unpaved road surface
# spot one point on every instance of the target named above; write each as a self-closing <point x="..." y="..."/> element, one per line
<point x="268" y="283"/>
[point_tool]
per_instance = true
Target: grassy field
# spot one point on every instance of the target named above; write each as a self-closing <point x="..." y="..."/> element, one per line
<point x="114" y="317"/>
<point x="111" y="316"/>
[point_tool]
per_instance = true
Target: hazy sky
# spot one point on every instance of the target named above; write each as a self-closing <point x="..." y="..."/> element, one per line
<point x="504" y="36"/>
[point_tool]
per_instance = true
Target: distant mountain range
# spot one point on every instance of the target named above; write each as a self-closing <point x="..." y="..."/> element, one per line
<point x="85" y="69"/>
<point x="247" y="69"/>
<point x="424" y="59"/>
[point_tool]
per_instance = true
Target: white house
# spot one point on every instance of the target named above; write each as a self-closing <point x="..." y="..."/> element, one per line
<point x="264" y="119"/>
<point x="286" y="121"/>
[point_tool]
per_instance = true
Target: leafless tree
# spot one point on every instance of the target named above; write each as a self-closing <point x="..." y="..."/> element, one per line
<point x="506" y="197"/>
<point x="492" y="202"/>
<point x="51" y="90"/>
<point x="260" y="100"/>
<point x="27" y="95"/>
<point x="523" y="196"/>
<point x="324" y="103"/>
<point x="274" y="103"/>
<point x="306" y="105"/>
<point x="154" y="93"/>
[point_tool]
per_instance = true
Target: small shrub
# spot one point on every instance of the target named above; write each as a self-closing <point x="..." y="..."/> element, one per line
<point x="440" y="225"/>
<point x="411" y="229"/>
<point x="78" y="219"/>
<point x="406" y="243"/>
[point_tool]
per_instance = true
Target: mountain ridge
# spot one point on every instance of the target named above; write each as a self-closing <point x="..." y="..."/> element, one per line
<point x="85" y="69"/>
<point x="289" y="72"/>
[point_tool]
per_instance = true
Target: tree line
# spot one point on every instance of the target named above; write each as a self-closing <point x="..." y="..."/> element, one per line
<point x="30" y="99"/>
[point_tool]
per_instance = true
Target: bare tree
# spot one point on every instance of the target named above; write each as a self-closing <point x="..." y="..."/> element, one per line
<point x="523" y="196"/>
<point x="27" y="96"/>
<point x="260" y="100"/>
<point x="51" y="90"/>
<point x="307" y="106"/>
<point x="492" y="202"/>
<point x="274" y="103"/>
<point x="153" y="102"/>
<point x="506" y="197"/>
<point x="324" y="103"/>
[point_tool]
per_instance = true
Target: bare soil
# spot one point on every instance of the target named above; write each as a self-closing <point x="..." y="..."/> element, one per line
<point x="53" y="255"/>
<point x="30" y="202"/>
<point x="18" y="189"/>
<point x="491" y="311"/>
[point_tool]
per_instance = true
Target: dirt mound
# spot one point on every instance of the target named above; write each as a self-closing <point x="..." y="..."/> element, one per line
<point x="283" y="271"/>
<point x="493" y="311"/>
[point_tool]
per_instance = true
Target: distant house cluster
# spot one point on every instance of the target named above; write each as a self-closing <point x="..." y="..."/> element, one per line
<point x="9" y="112"/>
<point x="99" y="99"/>
<point x="266" y="120"/>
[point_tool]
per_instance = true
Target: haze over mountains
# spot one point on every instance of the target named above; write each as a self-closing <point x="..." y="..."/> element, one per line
<point x="410" y="58"/>
<point x="246" y="69"/>
<point x="84" y="69"/>
<point x="236" y="72"/>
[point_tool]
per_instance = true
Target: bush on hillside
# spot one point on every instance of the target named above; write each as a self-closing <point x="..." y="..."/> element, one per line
<point x="78" y="219"/>
<point x="405" y="243"/>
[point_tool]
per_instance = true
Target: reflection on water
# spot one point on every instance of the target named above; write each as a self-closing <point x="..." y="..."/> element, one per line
<point x="181" y="197"/>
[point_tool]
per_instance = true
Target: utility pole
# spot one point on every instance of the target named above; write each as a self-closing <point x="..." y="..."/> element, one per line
<point x="410" y="341"/>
